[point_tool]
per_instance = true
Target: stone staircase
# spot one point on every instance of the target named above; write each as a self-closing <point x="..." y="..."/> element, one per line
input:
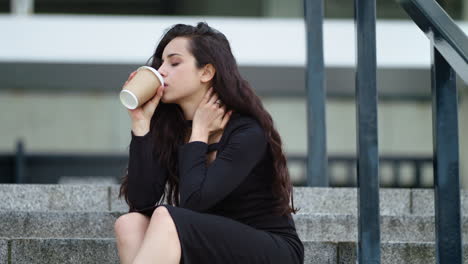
<point x="74" y="224"/>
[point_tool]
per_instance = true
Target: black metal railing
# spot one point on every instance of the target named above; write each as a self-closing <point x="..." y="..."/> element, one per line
<point x="441" y="30"/>
<point x="367" y="136"/>
<point x="315" y="82"/>
<point x="449" y="51"/>
<point x="449" y="54"/>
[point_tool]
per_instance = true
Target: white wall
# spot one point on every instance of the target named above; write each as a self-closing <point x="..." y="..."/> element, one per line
<point x="404" y="127"/>
<point x="270" y="41"/>
<point x="63" y="122"/>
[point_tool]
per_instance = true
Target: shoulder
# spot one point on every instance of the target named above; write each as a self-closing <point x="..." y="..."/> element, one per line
<point x="238" y="121"/>
<point x="245" y="125"/>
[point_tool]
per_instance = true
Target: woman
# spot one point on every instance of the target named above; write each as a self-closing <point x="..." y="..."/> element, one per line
<point x="206" y="142"/>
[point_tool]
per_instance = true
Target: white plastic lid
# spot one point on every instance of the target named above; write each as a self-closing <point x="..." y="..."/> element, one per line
<point x="128" y="99"/>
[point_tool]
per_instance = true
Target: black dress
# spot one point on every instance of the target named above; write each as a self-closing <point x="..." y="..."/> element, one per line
<point x="226" y="208"/>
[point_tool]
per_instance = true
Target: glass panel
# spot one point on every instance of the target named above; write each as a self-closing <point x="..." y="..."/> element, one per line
<point x="152" y="7"/>
<point x="386" y="9"/>
<point x="5" y="6"/>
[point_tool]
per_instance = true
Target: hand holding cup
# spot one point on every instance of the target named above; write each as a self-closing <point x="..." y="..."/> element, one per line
<point x="142" y="114"/>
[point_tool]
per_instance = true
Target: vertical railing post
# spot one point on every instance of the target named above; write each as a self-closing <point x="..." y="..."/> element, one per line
<point x="417" y="173"/>
<point x="20" y="163"/>
<point x="316" y="96"/>
<point x="367" y="136"/>
<point x="446" y="161"/>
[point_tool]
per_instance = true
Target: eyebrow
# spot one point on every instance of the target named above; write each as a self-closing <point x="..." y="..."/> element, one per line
<point x="172" y="54"/>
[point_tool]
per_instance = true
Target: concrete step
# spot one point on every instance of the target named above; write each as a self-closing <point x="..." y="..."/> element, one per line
<point x="74" y="224"/>
<point x="56" y="224"/>
<point x="49" y="250"/>
<point x="311" y="227"/>
<point x="342" y="228"/>
<point x="55" y="197"/>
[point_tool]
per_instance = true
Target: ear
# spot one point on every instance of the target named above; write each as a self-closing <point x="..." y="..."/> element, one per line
<point x="208" y="73"/>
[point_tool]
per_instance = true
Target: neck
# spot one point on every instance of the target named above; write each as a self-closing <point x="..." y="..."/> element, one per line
<point x="190" y="105"/>
<point x="189" y="109"/>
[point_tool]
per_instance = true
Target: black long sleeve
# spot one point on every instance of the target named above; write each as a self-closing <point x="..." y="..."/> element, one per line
<point x="202" y="187"/>
<point x="146" y="177"/>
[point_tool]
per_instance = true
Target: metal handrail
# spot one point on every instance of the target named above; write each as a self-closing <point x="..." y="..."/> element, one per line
<point x="449" y="54"/>
<point x="442" y="31"/>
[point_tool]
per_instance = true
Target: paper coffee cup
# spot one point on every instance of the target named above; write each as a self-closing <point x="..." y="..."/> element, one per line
<point x="141" y="88"/>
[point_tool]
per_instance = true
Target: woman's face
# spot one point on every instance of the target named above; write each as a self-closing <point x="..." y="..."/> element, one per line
<point x="178" y="68"/>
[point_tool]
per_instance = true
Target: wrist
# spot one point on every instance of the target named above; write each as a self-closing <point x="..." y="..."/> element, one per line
<point x="199" y="134"/>
<point x="140" y="129"/>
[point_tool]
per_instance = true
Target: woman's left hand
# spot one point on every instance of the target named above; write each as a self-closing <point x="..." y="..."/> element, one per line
<point x="210" y="116"/>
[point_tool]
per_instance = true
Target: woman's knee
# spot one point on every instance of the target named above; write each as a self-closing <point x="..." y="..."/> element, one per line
<point x="163" y="218"/>
<point x="130" y="222"/>
<point x="161" y="212"/>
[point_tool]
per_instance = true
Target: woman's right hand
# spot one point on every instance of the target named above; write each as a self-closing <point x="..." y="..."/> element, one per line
<point x="141" y="116"/>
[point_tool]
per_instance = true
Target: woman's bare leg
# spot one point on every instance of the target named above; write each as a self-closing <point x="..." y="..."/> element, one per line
<point x="161" y="244"/>
<point x="129" y="231"/>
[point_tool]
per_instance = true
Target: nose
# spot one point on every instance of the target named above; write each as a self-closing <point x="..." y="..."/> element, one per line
<point x="162" y="71"/>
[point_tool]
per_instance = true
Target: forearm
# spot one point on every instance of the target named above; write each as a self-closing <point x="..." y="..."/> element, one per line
<point x="146" y="178"/>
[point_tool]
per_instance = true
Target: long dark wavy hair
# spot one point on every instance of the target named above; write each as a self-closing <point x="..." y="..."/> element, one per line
<point x="211" y="46"/>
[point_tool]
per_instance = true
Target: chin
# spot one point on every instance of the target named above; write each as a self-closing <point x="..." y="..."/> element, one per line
<point x="164" y="99"/>
<point x="167" y="100"/>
